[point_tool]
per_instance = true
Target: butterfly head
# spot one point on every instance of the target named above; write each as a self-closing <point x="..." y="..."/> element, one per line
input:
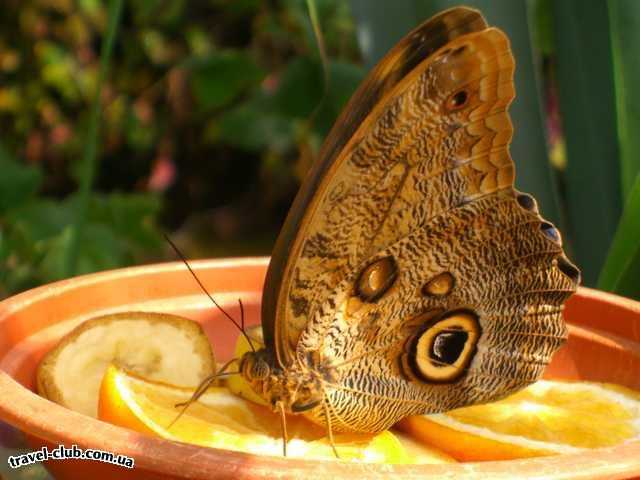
<point x="295" y="390"/>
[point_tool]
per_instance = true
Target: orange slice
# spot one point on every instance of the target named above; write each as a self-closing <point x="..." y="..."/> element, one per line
<point x="546" y="418"/>
<point x="220" y="419"/>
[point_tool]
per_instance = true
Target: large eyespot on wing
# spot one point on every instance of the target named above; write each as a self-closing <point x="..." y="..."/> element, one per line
<point x="441" y="351"/>
<point x="285" y="315"/>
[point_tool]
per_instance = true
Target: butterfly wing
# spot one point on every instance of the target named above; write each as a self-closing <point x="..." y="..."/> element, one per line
<point x="283" y="322"/>
<point x="416" y="278"/>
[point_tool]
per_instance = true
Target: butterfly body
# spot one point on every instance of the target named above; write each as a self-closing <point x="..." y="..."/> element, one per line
<point x="410" y="276"/>
<point x="296" y="389"/>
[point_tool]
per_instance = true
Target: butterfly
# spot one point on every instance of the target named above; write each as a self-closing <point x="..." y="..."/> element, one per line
<point x="410" y="276"/>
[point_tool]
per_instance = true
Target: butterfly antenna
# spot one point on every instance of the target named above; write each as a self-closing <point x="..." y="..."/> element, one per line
<point x="241" y="313"/>
<point x="238" y="326"/>
<point x="242" y="324"/>
<point x="202" y="387"/>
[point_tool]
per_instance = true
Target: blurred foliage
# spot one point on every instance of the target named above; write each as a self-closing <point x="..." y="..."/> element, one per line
<point x="211" y="115"/>
<point x="78" y="234"/>
<point x="35" y="229"/>
<point x="583" y="65"/>
<point x="621" y="271"/>
<point x="625" y="35"/>
<point x="213" y="111"/>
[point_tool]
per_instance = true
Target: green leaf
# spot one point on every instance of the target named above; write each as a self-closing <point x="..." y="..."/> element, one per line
<point x="300" y="88"/>
<point x="587" y="104"/>
<point x="40" y="219"/>
<point x="18" y="182"/>
<point x="268" y="120"/>
<point x="130" y="217"/>
<point x="300" y="92"/>
<point x="222" y="77"/>
<point x="621" y="271"/>
<point x="542" y="26"/>
<point x="625" y="38"/>
<point x="100" y="249"/>
<point x="253" y="127"/>
<point x="38" y="231"/>
<point x="344" y="78"/>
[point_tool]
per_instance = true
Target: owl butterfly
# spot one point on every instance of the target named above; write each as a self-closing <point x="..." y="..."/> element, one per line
<point x="410" y="276"/>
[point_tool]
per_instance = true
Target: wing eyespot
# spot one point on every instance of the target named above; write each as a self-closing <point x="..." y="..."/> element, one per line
<point x="438" y="286"/>
<point x="444" y="349"/>
<point x="569" y="269"/>
<point x="551" y="232"/>
<point x="527" y="202"/>
<point x="376" y="278"/>
<point x="457" y="100"/>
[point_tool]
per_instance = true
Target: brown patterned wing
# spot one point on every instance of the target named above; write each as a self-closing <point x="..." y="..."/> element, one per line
<point x="281" y="328"/>
<point x="416" y="278"/>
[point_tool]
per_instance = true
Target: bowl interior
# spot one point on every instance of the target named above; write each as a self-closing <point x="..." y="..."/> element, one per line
<point x="604" y="343"/>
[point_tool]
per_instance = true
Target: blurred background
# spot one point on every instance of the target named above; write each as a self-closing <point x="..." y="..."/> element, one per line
<point x="123" y="120"/>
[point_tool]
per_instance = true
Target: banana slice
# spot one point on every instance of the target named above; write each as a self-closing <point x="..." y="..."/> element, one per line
<point x="160" y="347"/>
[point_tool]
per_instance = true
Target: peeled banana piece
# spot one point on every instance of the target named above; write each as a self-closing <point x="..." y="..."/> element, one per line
<point x="160" y="347"/>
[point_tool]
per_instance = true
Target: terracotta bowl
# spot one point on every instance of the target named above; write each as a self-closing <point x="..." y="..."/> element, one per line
<point x="604" y="345"/>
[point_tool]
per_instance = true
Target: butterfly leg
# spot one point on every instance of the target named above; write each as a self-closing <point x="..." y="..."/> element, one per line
<point x="204" y="385"/>
<point x="283" y="424"/>
<point x="329" y="429"/>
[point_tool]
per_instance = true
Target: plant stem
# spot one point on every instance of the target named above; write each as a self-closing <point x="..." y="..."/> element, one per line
<point x="89" y="159"/>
